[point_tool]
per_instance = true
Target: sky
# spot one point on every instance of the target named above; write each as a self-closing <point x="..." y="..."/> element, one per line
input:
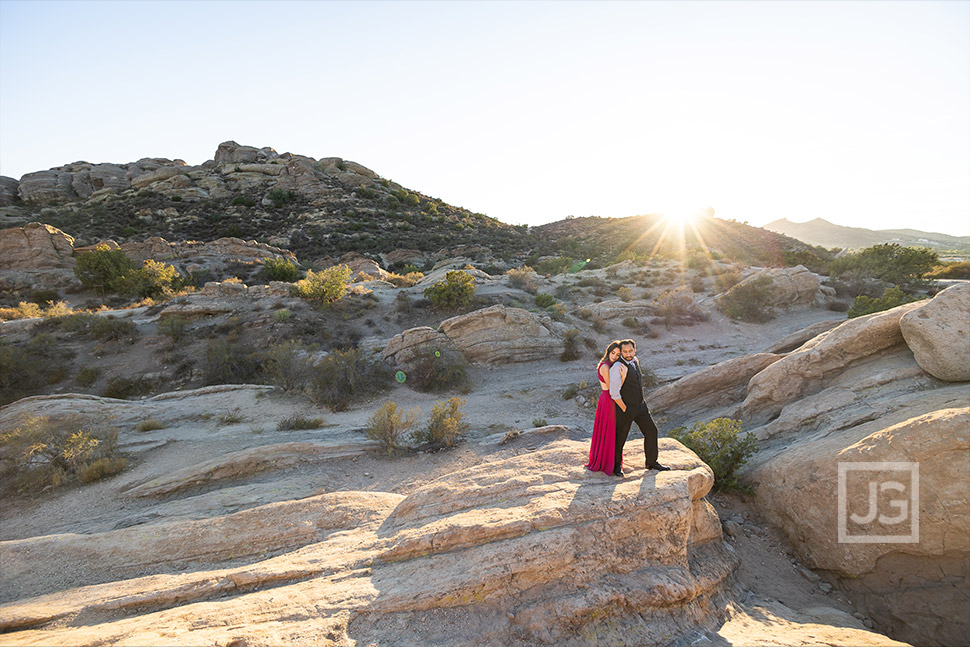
<point x="856" y="112"/>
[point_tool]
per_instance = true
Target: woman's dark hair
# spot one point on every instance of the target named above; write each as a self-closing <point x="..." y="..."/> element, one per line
<point x="609" y="349"/>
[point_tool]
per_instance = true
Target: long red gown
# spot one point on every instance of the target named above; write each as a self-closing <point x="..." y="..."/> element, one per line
<point x="601" y="448"/>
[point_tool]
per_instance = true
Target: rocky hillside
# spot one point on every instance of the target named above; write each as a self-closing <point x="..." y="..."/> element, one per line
<point x="826" y="234"/>
<point x="324" y="208"/>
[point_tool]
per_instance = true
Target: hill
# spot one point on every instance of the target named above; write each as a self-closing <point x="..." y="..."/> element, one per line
<point x="324" y="208"/>
<point x="826" y="234"/>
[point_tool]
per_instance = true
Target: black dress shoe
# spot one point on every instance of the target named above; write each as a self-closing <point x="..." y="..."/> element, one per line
<point x="618" y="473"/>
<point x="658" y="467"/>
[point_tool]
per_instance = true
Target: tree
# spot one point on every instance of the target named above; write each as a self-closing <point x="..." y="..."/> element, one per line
<point x="889" y="262"/>
<point x="104" y="268"/>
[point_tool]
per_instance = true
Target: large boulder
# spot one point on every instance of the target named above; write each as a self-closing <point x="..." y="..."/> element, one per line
<point x="524" y="550"/>
<point x="938" y="333"/>
<point x="232" y="153"/>
<point x="35" y="246"/>
<point x="614" y="309"/>
<point x="713" y="386"/>
<point x="790" y="286"/>
<point x="498" y="334"/>
<point x="915" y="583"/>
<point x="47" y="187"/>
<point x="805" y="370"/>
<point x="405" y="345"/>
<point x="8" y="191"/>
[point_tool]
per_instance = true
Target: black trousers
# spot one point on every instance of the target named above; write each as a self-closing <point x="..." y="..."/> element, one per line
<point x="640" y="415"/>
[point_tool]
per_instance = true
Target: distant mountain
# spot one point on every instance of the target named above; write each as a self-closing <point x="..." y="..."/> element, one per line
<point x="826" y="234"/>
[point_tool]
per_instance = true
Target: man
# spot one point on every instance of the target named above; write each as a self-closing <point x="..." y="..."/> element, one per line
<point x="631" y="408"/>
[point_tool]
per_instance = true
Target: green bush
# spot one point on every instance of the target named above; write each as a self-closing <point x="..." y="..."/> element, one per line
<point x="625" y="293"/>
<point x="153" y="280"/>
<point x="173" y="327"/>
<point x="719" y="443"/>
<point x="243" y="201"/>
<point x="298" y="422"/>
<point x="347" y="377"/>
<point x="888" y="262"/>
<point x="455" y="291"/>
<point x="522" y="278"/>
<point x="122" y="388"/>
<point x="677" y="307"/>
<point x="87" y="376"/>
<point x="104" y="268"/>
<point x="25" y="369"/>
<point x="108" y="328"/>
<point x="327" y="285"/>
<point x="446" y="424"/>
<point x="750" y="301"/>
<point x="43" y="297"/>
<point x="954" y="270"/>
<point x="436" y="370"/>
<point x="388" y="424"/>
<point x="48" y="451"/>
<point x="279" y="197"/>
<point x="287" y="365"/>
<point x="571" y="349"/>
<point x="281" y="315"/>
<point x="149" y="424"/>
<point x="890" y="298"/>
<point x="544" y="300"/>
<point x="279" y="269"/>
<point x="228" y="362"/>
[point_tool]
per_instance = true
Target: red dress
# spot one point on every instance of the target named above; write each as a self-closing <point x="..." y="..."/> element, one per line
<point x="604" y="431"/>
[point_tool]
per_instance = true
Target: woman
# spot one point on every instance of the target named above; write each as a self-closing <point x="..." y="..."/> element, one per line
<point x="604" y="423"/>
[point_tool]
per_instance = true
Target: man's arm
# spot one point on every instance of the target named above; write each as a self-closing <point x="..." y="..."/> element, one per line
<point x="616" y="380"/>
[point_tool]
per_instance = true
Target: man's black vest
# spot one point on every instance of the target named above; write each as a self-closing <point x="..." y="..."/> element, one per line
<point x="632" y="389"/>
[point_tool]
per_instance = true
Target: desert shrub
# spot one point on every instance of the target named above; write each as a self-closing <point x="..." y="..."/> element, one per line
<point x="954" y="270"/>
<point x="727" y="280"/>
<point x="287" y="365"/>
<point x="27" y="368"/>
<point x="104" y="268"/>
<point x="888" y="262"/>
<point x="346" y="377"/>
<point x="87" y="376"/>
<point x="173" y="327"/>
<point x="230" y="362"/>
<point x="279" y="269"/>
<point x="152" y="280"/>
<point x="677" y="307"/>
<point x="750" y="301"/>
<point x="625" y="293"/>
<point x="544" y="300"/>
<point x="455" y="291"/>
<point x="110" y="329"/>
<point x="599" y="325"/>
<point x="719" y="443"/>
<point x="328" y="285"/>
<point x="405" y="280"/>
<point x="891" y="298"/>
<point x="24" y="310"/>
<point x="556" y="265"/>
<point x="522" y="278"/>
<point x="123" y="388"/>
<point x="298" y="422"/>
<point x="149" y="424"/>
<point x="279" y="197"/>
<point x="697" y="284"/>
<point x="46" y="451"/>
<point x="43" y="297"/>
<point x="446" y="424"/>
<point x="243" y="201"/>
<point x="630" y="322"/>
<point x="558" y="312"/>
<point x="233" y="417"/>
<point x="571" y="349"/>
<point x="438" y="370"/>
<point x="389" y="423"/>
<point x="539" y="422"/>
<point x="281" y="315"/>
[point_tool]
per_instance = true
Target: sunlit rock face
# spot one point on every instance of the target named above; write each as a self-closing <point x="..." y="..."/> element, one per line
<point x="526" y="550"/>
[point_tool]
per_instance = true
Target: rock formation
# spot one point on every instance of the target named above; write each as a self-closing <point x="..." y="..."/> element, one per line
<point x="35" y="246"/>
<point x="790" y="286"/>
<point x="518" y="551"/>
<point x="864" y="393"/>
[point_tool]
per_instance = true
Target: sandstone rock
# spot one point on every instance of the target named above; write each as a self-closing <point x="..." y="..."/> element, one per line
<point x="501" y="334"/>
<point x="9" y="188"/>
<point x="47" y="187"/>
<point x="938" y="333"/>
<point x="803" y="371"/>
<point x="361" y="264"/>
<point x="35" y="246"/>
<point x="561" y="555"/>
<point x="614" y="309"/>
<point x="441" y="273"/>
<point x="220" y="297"/>
<point x="716" y="385"/>
<point x="928" y="602"/>
<point x="403" y="346"/>
<point x="799" y="337"/>
<point x="412" y="256"/>
<point x="157" y="175"/>
<point x="232" y="153"/>
<point x="790" y="286"/>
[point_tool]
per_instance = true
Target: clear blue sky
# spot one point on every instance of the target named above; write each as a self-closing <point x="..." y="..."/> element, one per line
<point x="527" y="111"/>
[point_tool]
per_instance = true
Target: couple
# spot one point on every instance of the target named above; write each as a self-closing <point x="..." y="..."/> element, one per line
<point x="620" y="405"/>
